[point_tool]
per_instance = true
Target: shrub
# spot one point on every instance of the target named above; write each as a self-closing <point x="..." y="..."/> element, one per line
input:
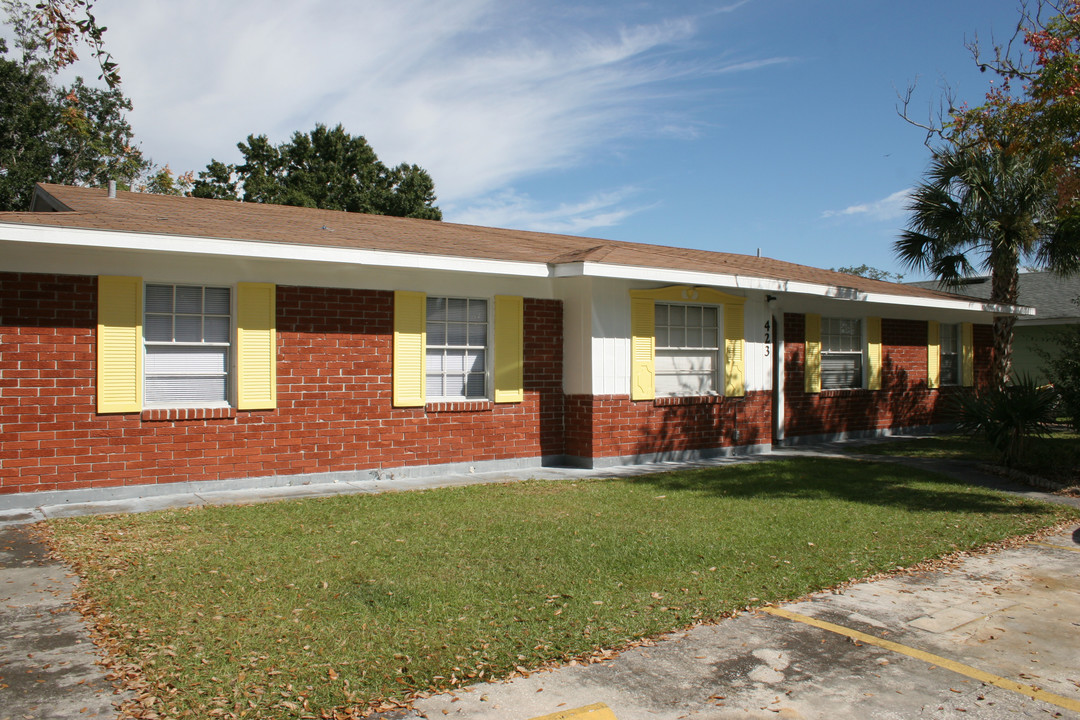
<point x="1009" y="417"/>
<point x="1064" y="371"/>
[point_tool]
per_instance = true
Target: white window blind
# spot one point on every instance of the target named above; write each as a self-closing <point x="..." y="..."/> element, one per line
<point x="456" y="362"/>
<point x="841" y="353"/>
<point x="187" y="330"/>
<point x="687" y="349"/>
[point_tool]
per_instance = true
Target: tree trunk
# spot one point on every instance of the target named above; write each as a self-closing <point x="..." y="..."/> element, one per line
<point x="1004" y="280"/>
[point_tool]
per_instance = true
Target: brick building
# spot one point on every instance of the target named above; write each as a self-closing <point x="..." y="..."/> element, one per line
<point x="149" y="341"/>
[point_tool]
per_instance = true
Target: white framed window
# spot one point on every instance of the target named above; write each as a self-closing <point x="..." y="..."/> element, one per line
<point x="456" y="356"/>
<point x="841" y="353"/>
<point x="186" y="331"/>
<point x="688" y="340"/>
<point x="950" y="354"/>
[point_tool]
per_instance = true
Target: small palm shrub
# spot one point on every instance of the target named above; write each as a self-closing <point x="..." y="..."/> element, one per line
<point x="1009" y="417"/>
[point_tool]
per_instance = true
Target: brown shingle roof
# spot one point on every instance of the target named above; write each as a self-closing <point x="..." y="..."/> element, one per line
<point x="91" y="208"/>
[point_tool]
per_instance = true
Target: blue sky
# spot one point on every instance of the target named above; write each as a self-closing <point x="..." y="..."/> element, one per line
<point x="725" y="126"/>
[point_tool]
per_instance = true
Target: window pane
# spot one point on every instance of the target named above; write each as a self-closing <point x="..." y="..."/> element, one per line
<point x="661" y="314"/>
<point x="475" y="387"/>
<point x="193" y="390"/>
<point x="841" y="371"/>
<point x="693" y="337"/>
<point x="677" y="337"/>
<point x="478" y="310"/>
<point x="217" y="301"/>
<point x="454" y="361"/>
<point x="159" y="328"/>
<point x="185" y="360"/>
<point x="949" y="370"/>
<point x="457" y="334"/>
<point x="693" y="316"/>
<point x="434" y="361"/>
<point x="189" y="299"/>
<point x="709" y="316"/>
<point x="435" y="386"/>
<point x="159" y="298"/>
<point x="478" y="335"/>
<point x="436" y="309"/>
<point x="661" y="337"/>
<point x="188" y="328"/>
<point x="216" y="329"/>
<point x="709" y="338"/>
<point x="436" y="333"/>
<point x="474" y="361"/>
<point x="676" y="315"/>
<point x="457" y="309"/>
<point x="455" y="386"/>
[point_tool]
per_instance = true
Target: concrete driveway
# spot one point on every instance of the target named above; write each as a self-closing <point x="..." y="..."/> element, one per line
<point x="994" y="636"/>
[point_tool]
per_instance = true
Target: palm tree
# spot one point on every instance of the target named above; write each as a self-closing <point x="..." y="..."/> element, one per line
<point x="988" y="207"/>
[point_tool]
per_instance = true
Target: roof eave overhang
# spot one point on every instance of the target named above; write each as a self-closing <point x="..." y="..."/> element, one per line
<point x="253" y="249"/>
<point x="747" y="282"/>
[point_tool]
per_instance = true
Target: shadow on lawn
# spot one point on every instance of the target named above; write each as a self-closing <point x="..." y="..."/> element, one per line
<point x="868" y="483"/>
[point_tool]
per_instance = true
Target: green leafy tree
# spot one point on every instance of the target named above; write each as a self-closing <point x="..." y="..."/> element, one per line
<point x="1003" y="183"/>
<point x="58" y="28"/>
<point x="76" y="135"/>
<point x="989" y="207"/>
<point x="163" y="181"/>
<point x="324" y="168"/>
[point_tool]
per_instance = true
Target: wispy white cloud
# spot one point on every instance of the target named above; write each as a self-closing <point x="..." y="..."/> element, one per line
<point x="509" y="208"/>
<point x="481" y="93"/>
<point x="893" y="207"/>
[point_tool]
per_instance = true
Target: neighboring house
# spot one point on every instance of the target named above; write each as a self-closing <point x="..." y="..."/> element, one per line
<point x="1051" y="296"/>
<point x="154" y="343"/>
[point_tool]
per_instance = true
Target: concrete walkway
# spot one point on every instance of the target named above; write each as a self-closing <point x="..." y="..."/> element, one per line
<point x="758" y="665"/>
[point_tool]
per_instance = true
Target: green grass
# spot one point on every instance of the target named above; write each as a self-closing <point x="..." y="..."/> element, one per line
<point x="1056" y="457"/>
<point x="335" y="602"/>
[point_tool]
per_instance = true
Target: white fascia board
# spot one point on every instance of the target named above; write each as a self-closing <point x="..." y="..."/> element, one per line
<point x="744" y="282"/>
<point x="189" y="245"/>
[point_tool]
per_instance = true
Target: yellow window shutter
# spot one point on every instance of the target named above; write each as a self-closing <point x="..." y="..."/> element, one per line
<point x="410" y="337"/>
<point x="967" y="348"/>
<point x="734" y="351"/>
<point x="812" y="371"/>
<point x="933" y="354"/>
<point x="256" y="346"/>
<point x="873" y="352"/>
<point x="119" y="344"/>
<point x="642" y="348"/>
<point x="509" y="349"/>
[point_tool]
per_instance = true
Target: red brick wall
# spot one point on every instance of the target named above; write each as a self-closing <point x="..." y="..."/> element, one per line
<point x="615" y="426"/>
<point x="904" y="400"/>
<point x="334" y="404"/>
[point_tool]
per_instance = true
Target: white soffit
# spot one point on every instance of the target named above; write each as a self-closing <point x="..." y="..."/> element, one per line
<point x="744" y="282"/>
<point x="190" y="245"/>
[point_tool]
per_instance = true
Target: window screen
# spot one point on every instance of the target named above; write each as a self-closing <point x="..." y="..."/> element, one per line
<point x="687" y="349"/>
<point x="456" y="355"/>
<point x="841" y="353"/>
<point x="187" y="330"/>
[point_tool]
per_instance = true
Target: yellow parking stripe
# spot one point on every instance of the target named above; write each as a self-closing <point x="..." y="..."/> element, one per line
<point x="1029" y="690"/>
<point x="1056" y="547"/>
<point x="598" y="711"/>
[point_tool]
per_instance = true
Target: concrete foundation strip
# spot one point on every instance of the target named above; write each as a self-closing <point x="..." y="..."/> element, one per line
<point x="1029" y="690"/>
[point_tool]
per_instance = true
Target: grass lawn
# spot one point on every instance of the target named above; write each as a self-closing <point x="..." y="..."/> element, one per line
<point x="292" y="609"/>
<point x="1056" y="457"/>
